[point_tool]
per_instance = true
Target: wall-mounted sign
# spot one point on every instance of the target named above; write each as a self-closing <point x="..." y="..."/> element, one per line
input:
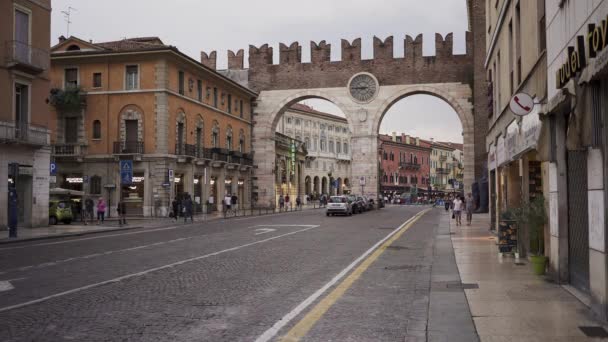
<point x="521" y="104"/>
<point x="74" y="180"/>
<point x="596" y="41"/>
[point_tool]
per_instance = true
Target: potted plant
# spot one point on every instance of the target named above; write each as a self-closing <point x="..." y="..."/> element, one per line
<point x="533" y="215"/>
<point x="69" y="100"/>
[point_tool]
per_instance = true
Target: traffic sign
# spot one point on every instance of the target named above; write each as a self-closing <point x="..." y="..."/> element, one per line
<point x="126" y="171"/>
<point x="53" y="169"/>
<point x="521" y="104"/>
<point x="362" y="180"/>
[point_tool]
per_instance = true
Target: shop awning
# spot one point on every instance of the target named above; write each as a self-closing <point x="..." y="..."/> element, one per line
<point x="65" y="192"/>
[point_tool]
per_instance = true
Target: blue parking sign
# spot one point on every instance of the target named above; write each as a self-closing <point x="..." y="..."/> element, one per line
<point x="53" y="169"/>
<point x="126" y="171"/>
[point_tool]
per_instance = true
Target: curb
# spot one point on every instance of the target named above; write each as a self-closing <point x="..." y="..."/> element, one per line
<point x="57" y="236"/>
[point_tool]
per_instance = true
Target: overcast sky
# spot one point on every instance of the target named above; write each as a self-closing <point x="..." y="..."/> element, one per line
<point x="195" y="25"/>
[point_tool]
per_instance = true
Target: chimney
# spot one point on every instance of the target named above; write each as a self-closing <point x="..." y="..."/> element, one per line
<point x="432" y="139"/>
<point x="62" y="39"/>
<point x="417" y="141"/>
<point x="394" y="138"/>
<point x="407" y="139"/>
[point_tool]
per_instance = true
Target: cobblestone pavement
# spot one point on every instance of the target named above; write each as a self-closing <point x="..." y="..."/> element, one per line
<point x="225" y="281"/>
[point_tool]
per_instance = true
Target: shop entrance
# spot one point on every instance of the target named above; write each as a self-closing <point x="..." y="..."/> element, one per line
<point x="578" y="221"/>
<point x="133" y="195"/>
<point x="179" y="185"/>
<point x="241" y="193"/>
<point x="213" y="199"/>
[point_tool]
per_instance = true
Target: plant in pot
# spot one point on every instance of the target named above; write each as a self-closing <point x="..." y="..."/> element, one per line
<point x="533" y="215"/>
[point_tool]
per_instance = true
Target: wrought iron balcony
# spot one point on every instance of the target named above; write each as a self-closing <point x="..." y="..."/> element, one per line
<point x="186" y="150"/>
<point x="26" y="58"/>
<point x="128" y="147"/>
<point x="67" y="150"/>
<point x="23" y="134"/>
<point x="442" y="171"/>
<point x="219" y="154"/>
<point x="410" y="166"/>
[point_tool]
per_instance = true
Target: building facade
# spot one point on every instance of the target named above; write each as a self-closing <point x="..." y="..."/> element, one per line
<point x="404" y="164"/>
<point x="442" y="160"/>
<point x="575" y="132"/>
<point x="184" y="127"/>
<point x="289" y="170"/>
<point x="24" y="114"/>
<point x="327" y="169"/>
<point x="516" y="63"/>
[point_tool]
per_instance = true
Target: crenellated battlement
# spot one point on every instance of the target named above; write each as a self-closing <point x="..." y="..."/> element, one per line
<point x="263" y="73"/>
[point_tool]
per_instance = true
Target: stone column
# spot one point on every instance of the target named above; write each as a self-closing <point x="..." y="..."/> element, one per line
<point x="365" y="164"/>
<point x="598" y="277"/>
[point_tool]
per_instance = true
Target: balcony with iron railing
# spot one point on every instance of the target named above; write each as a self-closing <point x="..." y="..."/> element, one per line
<point x="409" y="166"/>
<point x="26" y="58"/>
<point x="69" y="150"/>
<point x="186" y="150"/>
<point x="23" y="134"/>
<point x="128" y="147"/>
<point x="442" y="171"/>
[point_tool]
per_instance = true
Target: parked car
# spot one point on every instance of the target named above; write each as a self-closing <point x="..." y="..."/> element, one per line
<point x="368" y="202"/>
<point x="60" y="211"/>
<point x="363" y="203"/>
<point x="355" y="204"/>
<point x="339" y="205"/>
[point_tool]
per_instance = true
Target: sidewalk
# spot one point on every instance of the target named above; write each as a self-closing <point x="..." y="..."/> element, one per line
<point x="111" y="224"/>
<point x="511" y="303"/>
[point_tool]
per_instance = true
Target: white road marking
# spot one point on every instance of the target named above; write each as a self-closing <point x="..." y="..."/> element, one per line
<point x="264" y="231"/>
<point x="283" y="321"/>
<point x="138" y="274"/>
<point x="5" y="286"/>
<point x="88" y="256"/>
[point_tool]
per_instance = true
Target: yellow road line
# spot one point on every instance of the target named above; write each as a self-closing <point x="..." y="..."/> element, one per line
<point x="303" y="327"/>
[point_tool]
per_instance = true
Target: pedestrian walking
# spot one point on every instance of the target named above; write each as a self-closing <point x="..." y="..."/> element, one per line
<point x="234" y="201"/>
<point x="287" y="201"/>
<point x="228" y="202"/>
<point x="175" y="208"/>
<point x="298" y="203"/>
<point x="281" y="202"/>
<point x="469" y="207"/>
<point x="101" y="210"/>
<point x="122" y="212"/>
<point x="457" y="210"/>
<point x="188" y="206"/>
<point x="89" y="206"/>
<point x="446" y="203"/>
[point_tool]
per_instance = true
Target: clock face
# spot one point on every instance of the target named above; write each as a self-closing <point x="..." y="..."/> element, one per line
<point x="363" y="88"/>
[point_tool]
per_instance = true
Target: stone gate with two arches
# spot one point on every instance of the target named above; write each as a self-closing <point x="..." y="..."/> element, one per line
<point x="459" y="80"/>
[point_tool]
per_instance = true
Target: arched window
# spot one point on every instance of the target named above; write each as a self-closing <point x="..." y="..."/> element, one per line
<point x="338" y="147"/>
<point x="199" y="136"/>
<point x="96" y="129"/>
<point x="415" y="160"/>
<point x="229" y="138"/>
<point x="392" y="179"/>
<point x="331" y="146"/>
<point x="323" y="144"/>
<point x="215" y="135"/>
<point x="73" y="47"/>
<point x="385" y="178"/>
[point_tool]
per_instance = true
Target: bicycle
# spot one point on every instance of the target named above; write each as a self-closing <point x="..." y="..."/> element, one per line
<point x="230" y="213"/>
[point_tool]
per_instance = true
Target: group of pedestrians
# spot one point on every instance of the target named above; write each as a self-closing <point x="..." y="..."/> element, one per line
<point x="90" y="208"/>
<point x="458" y="204"/>
<point x="182" y="206"/>
<point x="284" y="202"/>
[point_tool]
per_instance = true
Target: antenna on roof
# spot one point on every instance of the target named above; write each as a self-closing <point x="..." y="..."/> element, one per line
<point x="66" y="15"/>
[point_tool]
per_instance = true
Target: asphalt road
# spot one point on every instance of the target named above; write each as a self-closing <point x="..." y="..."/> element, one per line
<point x="297" y="276"/>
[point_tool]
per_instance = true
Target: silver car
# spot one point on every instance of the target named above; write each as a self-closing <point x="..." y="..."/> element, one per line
<point x="339" y="205"/>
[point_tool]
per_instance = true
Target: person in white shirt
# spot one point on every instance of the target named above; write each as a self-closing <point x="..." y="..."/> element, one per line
<point x="458" y="210"/>
<point x="227" y="202"/>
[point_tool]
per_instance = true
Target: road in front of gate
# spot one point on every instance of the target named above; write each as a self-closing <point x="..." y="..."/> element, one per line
<point x="298" y="276"/>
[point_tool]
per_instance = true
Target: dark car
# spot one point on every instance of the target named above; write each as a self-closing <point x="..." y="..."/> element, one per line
<point x="363" y="203"/>
<point x="356" y="204"/>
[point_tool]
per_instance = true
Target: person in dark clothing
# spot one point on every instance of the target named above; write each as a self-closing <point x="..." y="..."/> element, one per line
<point x="122" y="213"/>
<point x="234" y="201"/>
<point x="175" y="207"/>
<point x="298" y="202"/>
<point x="188" y="209"/>
<point x="89" y="206"/>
